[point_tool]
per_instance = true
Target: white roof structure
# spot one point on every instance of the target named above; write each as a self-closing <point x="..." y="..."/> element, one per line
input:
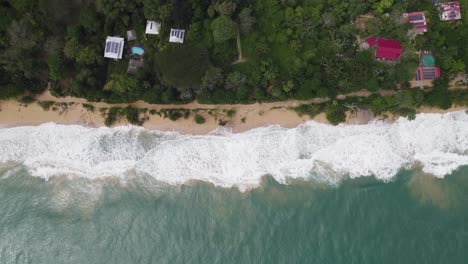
<point x="114" y="48"/>
<point x="450" y="11"/>
<point x="177" y="35"/>
<point x="152" y="27"/>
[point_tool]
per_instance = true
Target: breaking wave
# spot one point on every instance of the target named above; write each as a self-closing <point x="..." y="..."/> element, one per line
<point x="436" y="142"/>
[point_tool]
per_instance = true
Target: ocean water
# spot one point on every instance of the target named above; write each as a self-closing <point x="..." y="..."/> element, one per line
<point x="376" y="193"/>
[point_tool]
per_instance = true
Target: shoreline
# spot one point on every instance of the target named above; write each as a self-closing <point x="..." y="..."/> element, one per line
<point x="246" y="117"/>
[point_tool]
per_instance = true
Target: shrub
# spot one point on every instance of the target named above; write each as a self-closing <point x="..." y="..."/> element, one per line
<point x="335" y="114"/>
<point x="88" y="107"/>
<point x="309" y="109"/>
<point x="231" y="112"/>
<point x="133" y="115"/>
<point x="199" y="119"/>
<point x="112" y="115"/>
<point x="222" y="122"/>
<point x="46" y="104"/>
<point x="26" y="99"/>
<point x="223" y="29"/>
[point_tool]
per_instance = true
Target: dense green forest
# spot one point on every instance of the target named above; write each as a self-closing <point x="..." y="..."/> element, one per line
<point x="290" y="49"/>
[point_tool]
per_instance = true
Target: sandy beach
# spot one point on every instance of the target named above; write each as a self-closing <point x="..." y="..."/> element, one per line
<point x="71" y="111"/>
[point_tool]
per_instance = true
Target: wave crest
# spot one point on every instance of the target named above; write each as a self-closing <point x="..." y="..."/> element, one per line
<point x="439" y="142"/>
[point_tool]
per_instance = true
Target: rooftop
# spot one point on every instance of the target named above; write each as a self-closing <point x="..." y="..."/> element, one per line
<point x="425" y="73"/>
<point x="152" y="27"/>
<point x="177" y="35"/>
<point x="114" y="47"/>
<point x="389" y="49"/>
<point x="418" y="19"/>
<point x="450" y="11"/>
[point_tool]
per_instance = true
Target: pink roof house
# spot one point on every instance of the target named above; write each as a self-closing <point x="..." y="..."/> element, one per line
<point x="418" y="19"/>
<point x="425" y="73"/>
<point x="450" y="11"/>
<point x="388" y="49"/>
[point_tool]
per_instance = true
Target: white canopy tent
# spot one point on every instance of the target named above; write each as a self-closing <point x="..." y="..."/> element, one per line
<point x="152" y="27"/>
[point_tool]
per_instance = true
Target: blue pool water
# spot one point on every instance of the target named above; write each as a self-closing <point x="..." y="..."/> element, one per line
<point x="137" y="50"/>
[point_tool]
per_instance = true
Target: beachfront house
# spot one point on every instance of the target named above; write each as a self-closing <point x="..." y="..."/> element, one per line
<point x="114" y="48"/>
<point x="418" y="19"/>
<point x="177" y="35"/>
<point x="427" y="71"/>
<point x="387" y="49"/>
<point x="450" y="11"/>
<point x="152" y="27"/>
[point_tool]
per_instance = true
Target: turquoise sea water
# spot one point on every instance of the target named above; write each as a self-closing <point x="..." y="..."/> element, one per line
<point x="414" y="219"/>
<point x="376" y="193"/>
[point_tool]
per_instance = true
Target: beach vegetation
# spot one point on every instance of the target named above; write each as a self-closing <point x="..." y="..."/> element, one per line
<point x="199" y="119"/>
<point x="88" y="107"/>
<point x="46" y="105"/>
<point x="222" y="122"/>
<point x="230" y="112"/>
<point x="27" y="99"/>
<point x="133" y="115"/>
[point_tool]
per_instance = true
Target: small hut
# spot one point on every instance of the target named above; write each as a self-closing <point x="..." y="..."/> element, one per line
<point x="134" y="65"/>
<point x="131" y="35"/>
<point x="177" y="35"/>
<point x="152" y="27"/>
<point x="114" y="48"/>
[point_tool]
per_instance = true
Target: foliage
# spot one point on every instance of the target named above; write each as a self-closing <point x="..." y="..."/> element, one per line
<point x="182" y="66"/>
<point x="225" y="8"/>
<point x="213" y="78"/>
<point x="55" y="67"/>
<point x="223" y="29"/>
<point x="88" y="107"/>
<point x="122" y="84"/>
<point x="199" y="119"/>
<point x="230" y="113"/>
<point x="311" y="110"/>
<point x="381" y="6"/>
<point x="133" y="116"/>
<point x="26" y="100"/>
<point x="246" y="20"/>
<point x="439" y="96"/>
<point x="46" y="105"/>
<point x="8" y="91"/>
<point x="222" y="122"/>
<point x="110" y="119"/>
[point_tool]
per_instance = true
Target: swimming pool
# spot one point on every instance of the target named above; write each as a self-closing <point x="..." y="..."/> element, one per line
<point x="138" y="50"/>
<point x="428" y="60"/>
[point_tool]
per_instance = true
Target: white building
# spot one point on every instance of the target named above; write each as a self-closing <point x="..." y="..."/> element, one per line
<point x="177" y="35"/>
<point x="152" y="27"/>
<point x="114" y="48"/>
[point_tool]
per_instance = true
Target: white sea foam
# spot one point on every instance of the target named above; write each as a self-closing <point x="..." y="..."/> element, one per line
<point x="439" y="142"/>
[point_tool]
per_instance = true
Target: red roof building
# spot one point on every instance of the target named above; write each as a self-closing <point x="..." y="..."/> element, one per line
<point x="418" y="19"/>
<point x="372" y="41"/>
<point x="388" y="49"/>
<point x="450" y="11"/>
<point x="425" y="73"/>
